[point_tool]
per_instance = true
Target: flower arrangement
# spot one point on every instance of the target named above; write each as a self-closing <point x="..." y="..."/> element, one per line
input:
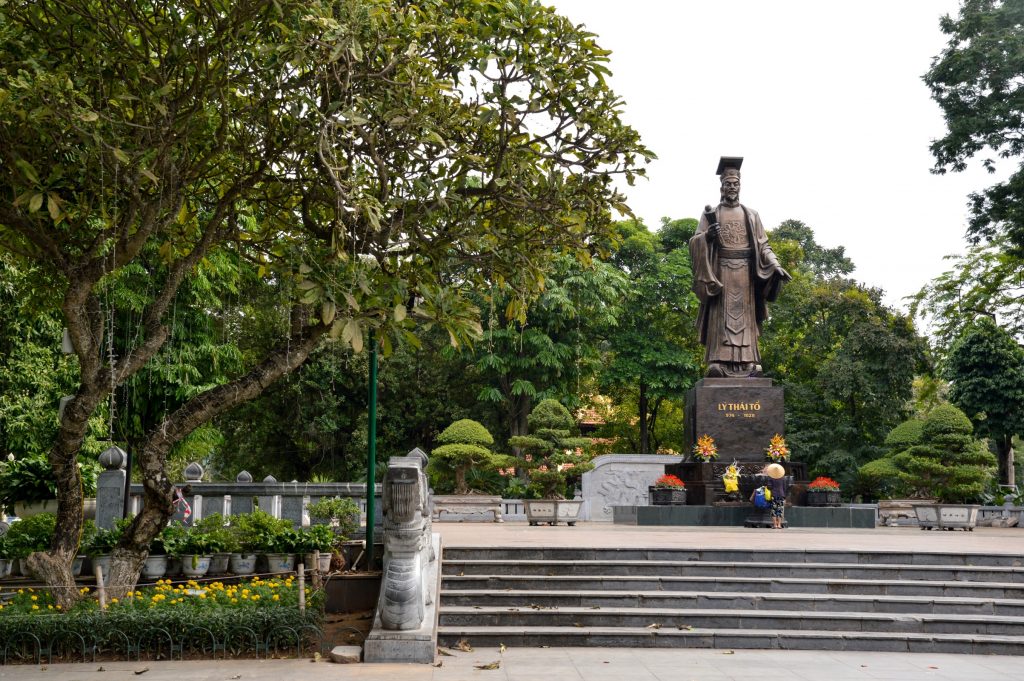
<point x="705" y="449"/>
<point x="823" y="484"/>
<point x="777" y="449"/>
<point x="669" y="482"/>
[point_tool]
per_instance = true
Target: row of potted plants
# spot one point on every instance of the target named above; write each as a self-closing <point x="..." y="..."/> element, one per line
<point x="211" y="546"/>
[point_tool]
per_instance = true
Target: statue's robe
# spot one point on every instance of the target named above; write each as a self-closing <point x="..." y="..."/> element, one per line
<point x="733" y="278"/>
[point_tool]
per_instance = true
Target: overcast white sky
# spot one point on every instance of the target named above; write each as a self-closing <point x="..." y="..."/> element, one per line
<point x="824" y="101"/>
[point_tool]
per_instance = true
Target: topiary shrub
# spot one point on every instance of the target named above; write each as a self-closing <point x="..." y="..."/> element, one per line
<point x="465" y="444"/>
<point x="949" y="463"/>
<point x="550" y="454"/>
<point x="905" y="435"/>
<point x="880" y="479"/>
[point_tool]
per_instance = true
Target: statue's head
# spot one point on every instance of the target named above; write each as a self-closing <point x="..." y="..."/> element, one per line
<point x="729" y="173"/>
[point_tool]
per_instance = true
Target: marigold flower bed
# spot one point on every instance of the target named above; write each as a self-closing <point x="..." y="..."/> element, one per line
<point x="188" y="619"/>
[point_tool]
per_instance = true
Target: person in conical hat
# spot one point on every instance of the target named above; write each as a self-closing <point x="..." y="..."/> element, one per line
<point x="779" y="487"/>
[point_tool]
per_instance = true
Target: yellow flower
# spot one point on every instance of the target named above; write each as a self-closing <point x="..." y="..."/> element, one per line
<point x="202" y="597"/>
<point x="35" y="598"/>
<point x="1" y="607"/>
<point x="276" y="597"/>
<point x="256" y="597"/>
<point x="245" y="596"/>
<point x="21" y="591"/>
<point x="234" y="600"/>
<point x="58" y="607"/>
<point x="114" y="600"/>
<point x="35" y="607"/>
<point x="49" y="607"/>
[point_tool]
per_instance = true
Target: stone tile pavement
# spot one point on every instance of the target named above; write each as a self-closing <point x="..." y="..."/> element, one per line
<point x="564" y="664"/>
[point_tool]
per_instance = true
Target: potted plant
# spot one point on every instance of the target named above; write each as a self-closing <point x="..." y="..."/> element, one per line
<point x="161" y="548"/>
<point x="823" y="492"/>
<point x="553" y="459"/>
<point x="316" y="538"/>
<point x="195" y="550"/>
<point x="27" y="486"/>
<point x="465" y="445"/>
<point x="340" y="513"/>
<point x="705" y="449"/>
<point x="255" y="533"/>
<point x="171" y="538"/>
<point x="221" y="542"/>
<point x="99" y="547"/>
<point x="279" y="552"/>
<point x="668" y="490"/>
<point x="950" y="465"/>
<point x="777" y="450"/>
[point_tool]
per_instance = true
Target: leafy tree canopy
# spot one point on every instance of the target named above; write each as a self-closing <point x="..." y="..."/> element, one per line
<point x="978" y="81"/>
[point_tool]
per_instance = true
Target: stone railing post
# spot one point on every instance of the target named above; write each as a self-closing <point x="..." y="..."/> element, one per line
<point x="110" y="488"/>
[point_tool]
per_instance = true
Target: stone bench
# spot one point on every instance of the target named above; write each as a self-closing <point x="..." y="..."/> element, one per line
<point x="469" y="504"/>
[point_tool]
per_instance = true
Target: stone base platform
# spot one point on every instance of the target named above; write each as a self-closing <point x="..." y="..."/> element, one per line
<point x="736" y="516"/>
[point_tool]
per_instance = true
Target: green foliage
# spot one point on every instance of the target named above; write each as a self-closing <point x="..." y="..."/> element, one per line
<point x="551" y="456"/>
<point x="169" y="540"/>
<point x="209" y="536"/>
<point x="986" y="280"/>
<point x="985" y="368"/>
<point x="949" y="464"/>
<point x="879" y="479"/>
<point x="465" y="448"/>
<point x="820" y="261"/>
<point x="6" y="550"/>
<point x="847" y="363"/>
<point x="100" y="541"/>
<point x="261" y="532"/>
<point x="906" y="434"/>
<point x="268" y="612"/>
<point x="316" y="538"/>
<point x="342" y="514"/>
<point x="977" y="81"/>
<point x="31" y="534"/>
<point x="30" y="480"/>
<point x="466" y="431"/>
<point x="654" y="355"/>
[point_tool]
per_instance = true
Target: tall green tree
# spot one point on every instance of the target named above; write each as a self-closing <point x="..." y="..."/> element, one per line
<point x="653" y="348"/>
<point x="553" y="351"/>
<point x="988" y="280"/>
<point x="985" y="368"/>
<point x="846" y="360"/>
<point x="366" y="156"/>
<point x="978" y="81"/>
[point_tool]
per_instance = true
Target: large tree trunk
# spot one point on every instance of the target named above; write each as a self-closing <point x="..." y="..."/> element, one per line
<point x="127" y="559"/>
<point x="642" y="410"/>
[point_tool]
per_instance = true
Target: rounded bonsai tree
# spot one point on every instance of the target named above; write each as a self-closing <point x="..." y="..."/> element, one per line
<point x="948" y="463"/>
<point x="464" y="444"/>
<point x="880" y="479"/>
<point x="551" y="455"/>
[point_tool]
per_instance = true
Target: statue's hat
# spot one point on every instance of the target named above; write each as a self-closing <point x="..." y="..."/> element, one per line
<point x="729" y="162"/>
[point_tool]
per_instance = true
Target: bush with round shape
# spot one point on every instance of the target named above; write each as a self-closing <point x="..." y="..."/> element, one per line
<point x="464" y="444"/>
<point x="949" y="463"/>
<point x="906" y="434"/>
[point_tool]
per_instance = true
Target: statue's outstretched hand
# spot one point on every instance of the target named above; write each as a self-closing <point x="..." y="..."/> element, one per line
<point x="786" y="276"/>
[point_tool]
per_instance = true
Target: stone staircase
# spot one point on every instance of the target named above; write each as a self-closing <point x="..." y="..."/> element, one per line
<point x="710" y="598"/>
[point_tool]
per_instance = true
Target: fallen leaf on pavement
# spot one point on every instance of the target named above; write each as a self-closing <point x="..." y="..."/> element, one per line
<point x="654" y="625"/>
<point x="438" y="663"/>
<point x="141" y="671"/>
<point x="492" y="665"/>
<point x="442" y="651"/>
<point x="464" y="646"/>
<point x="502" y="648"/>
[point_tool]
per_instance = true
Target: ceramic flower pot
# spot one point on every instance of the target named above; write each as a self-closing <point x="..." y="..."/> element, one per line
<point x="280" y="562"/>
<point x="194" y="566"/>
<point x="155" y="567"/>
<point x="667" y="496"/>
<point x="242" y="563"/>
<point x="325" y="561"/>
<point x="219" y="563"/>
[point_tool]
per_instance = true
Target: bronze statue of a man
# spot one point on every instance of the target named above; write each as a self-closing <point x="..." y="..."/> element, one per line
<point x="735" y="273"/>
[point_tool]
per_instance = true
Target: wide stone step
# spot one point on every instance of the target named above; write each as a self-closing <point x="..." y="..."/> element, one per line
<point x="493" y="637"/>
<point x="734" y="555"/>
<point x="866" y="587"/>
<point x="883" y="571"/>
<point x="697" y="619"/>
<point x="687" y="600"/>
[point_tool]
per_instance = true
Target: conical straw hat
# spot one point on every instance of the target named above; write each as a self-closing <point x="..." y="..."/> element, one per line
<point x="775" y="470"/>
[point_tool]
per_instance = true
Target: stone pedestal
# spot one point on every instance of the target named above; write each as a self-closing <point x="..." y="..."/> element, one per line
<point x="741" y="414"/>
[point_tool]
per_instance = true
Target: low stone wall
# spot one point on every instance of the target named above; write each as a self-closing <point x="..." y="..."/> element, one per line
<point x="620" y="480"/>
